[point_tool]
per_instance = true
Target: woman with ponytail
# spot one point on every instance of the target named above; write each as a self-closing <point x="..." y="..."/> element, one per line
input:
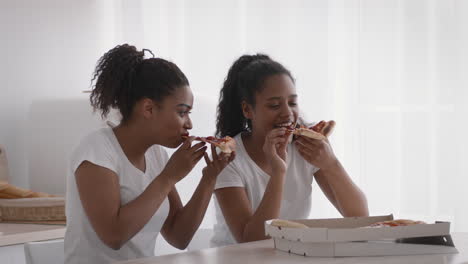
<point x="121" y="186"/>
<point x="272" y="174"/>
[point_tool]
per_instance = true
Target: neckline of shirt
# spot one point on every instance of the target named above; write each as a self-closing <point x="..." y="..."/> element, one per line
<point x="122" y="153"/>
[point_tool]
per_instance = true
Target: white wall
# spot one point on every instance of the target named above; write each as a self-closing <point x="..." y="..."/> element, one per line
<point x="48" y="49"/>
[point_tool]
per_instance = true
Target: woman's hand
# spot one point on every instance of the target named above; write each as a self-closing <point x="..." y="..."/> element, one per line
<point x="219" y="162"/>
<point x="183" y="160"/>
<point x="275" y="149"/>
<point x="317" y="152"/>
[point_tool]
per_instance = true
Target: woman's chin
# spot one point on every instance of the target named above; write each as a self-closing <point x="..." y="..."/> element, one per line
<point x="173" y="144"/>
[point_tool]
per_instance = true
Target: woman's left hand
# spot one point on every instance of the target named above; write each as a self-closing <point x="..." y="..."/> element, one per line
<point x="219" y="162"/>
<point x="317" y="152"/>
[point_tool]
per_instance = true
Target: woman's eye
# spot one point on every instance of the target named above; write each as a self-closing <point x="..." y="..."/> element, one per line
<point x="293" y="104"/>
<point x="273" y="106"/>
<point x="182" y="114"/>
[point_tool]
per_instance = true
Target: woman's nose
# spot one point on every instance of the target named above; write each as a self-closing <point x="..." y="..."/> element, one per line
<point x="188" y="123"/>
<point x="286" y="110"/>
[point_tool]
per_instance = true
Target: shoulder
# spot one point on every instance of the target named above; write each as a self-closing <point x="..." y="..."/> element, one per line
<point x="97" y="138"/>
<point x="97" y="146"/>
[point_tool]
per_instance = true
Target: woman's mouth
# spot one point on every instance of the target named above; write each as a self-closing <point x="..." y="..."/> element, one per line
<point x="285" y="124"/>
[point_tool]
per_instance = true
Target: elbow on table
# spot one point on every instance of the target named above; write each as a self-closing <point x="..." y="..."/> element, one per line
<point x="250" y="238"/>
<point x="181" y="245"/>
<point x="113" y="240"/>
<point x="364" y="207"/>
<point x="359" y="210"/>
<point x="360" y="213"/>
<point x="115" y="244"/>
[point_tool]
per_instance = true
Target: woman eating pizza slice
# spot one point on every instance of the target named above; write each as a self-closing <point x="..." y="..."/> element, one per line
<point x="121" y="191"/>
<point x="271" y="177"/>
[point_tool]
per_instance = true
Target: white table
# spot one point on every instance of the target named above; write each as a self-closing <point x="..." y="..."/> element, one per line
<point x="14" y="236"/>
<point x="264" y="253"/>
<point x="21" y="233"/>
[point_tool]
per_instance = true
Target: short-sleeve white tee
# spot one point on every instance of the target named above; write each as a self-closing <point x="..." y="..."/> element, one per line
<point x="244" y="172"/>
<point x="82" y="245"/>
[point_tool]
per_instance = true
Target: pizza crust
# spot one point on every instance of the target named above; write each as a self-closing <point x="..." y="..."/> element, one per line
<point x="228" y="146"/>
<point x="397" y="222"/>
<point x="287" y="223"/>
<point x="319" y="131"/>
<point x="308" y="133"/>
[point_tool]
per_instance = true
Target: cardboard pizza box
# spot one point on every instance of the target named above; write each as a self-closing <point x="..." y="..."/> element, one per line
<point x="352" y="237"/>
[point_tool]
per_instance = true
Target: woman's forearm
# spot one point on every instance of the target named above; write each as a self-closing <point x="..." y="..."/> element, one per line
<point x="349" y="198"/>
<point x="188" y="219"/>
<point x="268" y="208"/>
<point x="125" y="224"/>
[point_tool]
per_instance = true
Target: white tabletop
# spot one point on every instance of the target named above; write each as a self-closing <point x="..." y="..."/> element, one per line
<point x="21" y="233"/>
<point x="263" y="252"/>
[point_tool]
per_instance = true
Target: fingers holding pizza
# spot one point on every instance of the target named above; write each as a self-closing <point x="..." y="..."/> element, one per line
<point x="184" y="159"/>
<point x="223" y="151"/>
<point x="275" y="149"/>
<point x="217" y="162"/>
<point x="226" y="145"/>
<point x="319" y="131"/>
<point x="328" y="128"/>
<point x="312" y="144"/>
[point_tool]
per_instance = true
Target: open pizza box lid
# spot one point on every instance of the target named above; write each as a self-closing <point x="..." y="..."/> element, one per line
<point x="351" y="237"/>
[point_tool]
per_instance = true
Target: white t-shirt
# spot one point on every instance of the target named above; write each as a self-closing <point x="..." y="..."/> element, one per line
<point x="244" y="172"/>
<point x="82" y="245"/>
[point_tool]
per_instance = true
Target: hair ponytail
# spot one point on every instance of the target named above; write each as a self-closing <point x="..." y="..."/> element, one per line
<point x="244" y="79"/>
<point x="123" y="76"/>
<point x="113" y="74"/>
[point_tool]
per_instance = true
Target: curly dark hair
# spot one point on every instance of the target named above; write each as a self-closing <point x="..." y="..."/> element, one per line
<point x="244" y="79"/>
<point x="123" y="76"/>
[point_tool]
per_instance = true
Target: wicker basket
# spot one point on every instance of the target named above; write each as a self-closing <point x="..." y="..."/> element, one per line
<point x="32" y="209"/>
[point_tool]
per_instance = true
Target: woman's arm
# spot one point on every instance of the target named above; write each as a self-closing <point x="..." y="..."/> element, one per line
<point x="346" y="196"/>
<point x="332" y="178"/>
<point x="244" y="224"/>
<point x="99" y="192"/>
<point x="183" y="221"/>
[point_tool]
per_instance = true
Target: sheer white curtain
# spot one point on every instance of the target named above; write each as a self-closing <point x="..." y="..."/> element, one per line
<point x="398" y="78"/>
<point x="392" y="73"/>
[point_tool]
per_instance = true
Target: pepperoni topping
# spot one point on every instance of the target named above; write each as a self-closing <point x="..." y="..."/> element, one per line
<point x="398" y="222"/>
<point x="212" y="140"/>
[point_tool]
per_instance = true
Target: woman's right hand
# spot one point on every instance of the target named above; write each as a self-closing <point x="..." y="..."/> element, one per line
<point x="183" y="160"/>
<point x="275" y="149"/>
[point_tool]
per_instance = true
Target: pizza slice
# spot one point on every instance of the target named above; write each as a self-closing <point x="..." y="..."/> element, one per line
<point x="397" y="222"/>
<point x="226" y="144"/>
<point x="287" y="223"/>
<point x="319" y="131"/>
